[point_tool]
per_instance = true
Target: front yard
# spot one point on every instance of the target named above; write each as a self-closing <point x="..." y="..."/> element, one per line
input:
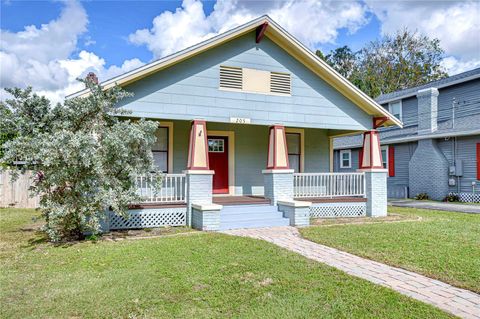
<point x="441" y="245"/>
<point x="194" y="275"/>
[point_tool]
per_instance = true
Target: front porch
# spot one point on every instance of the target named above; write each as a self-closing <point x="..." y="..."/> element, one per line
<point x="236" y="179"/>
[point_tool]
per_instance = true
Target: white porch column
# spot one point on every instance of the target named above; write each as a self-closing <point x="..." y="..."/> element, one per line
<point x="278" y="177"/>
<point x="375" y="175"/>
<point x="199" y="177"/>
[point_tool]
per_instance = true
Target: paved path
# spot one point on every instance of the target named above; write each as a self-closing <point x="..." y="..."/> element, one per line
<point x="452" y="207"/>
<point x="460" y="302"/>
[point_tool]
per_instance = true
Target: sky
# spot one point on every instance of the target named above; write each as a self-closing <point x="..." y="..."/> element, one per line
<point x="49" y="44"/>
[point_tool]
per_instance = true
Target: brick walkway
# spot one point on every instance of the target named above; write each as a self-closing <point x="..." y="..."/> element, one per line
<point x="460" y="302"/>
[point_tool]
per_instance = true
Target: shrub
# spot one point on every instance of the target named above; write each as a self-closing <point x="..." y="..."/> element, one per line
<point x="422" y="196"/>
<point x="85" y="157"/>
<point x="451" y="198"/>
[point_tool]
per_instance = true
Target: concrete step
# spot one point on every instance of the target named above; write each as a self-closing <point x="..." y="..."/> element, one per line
<point x="254" y="223"/>
<point x="248" y="209"/>
<point x="252" y="216"/>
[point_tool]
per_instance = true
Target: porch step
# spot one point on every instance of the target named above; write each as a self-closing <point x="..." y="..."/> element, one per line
<point x="248" y="209"/>
<point x="251" y="216"/>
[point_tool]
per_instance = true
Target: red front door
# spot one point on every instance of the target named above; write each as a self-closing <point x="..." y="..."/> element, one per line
<point x="218" y="160"/>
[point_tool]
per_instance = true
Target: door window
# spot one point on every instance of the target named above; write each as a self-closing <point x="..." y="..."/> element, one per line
<point x="216" y="145"/>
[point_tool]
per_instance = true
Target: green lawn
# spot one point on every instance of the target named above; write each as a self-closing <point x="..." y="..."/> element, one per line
<point x="443" y="245"/>
<point x="196" y="275"/>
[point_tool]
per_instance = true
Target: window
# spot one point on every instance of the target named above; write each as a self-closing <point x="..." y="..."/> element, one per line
<point x="294" y="151"/>
<point x="396" y="109"/>
<point x="160" y="149"/>
<point x="216" y="145"/>
<point x="345" y="159"/>
<point x="385" y="156"/>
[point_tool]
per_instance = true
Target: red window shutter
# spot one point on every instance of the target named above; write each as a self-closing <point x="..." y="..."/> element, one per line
<point x="478" y="161"/>
<point x="360" y="157"/>
<point x="391" y="161"/>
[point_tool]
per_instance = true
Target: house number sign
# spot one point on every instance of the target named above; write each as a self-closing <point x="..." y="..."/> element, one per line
<point x="240" y="120"/>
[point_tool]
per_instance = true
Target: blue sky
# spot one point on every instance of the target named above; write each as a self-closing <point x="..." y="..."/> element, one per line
<point x="64" y="40"/>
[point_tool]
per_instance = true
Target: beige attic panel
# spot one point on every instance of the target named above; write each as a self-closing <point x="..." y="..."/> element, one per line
<point x="256" y="80"/>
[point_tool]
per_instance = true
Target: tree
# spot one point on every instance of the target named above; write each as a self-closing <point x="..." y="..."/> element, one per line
<point x="342" y="59"/>
<point x="85" y="157"/>
<point x="393" y="63"/>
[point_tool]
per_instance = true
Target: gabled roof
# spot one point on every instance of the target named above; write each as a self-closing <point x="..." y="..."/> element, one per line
<point x="283" y="39"/>
<point x="451" y="80"/>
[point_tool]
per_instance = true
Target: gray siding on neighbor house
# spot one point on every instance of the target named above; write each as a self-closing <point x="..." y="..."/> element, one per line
<point x="190" y="89"/>
<point x="461" y="92"/>
<point x="396" y="184"/>
<point x="409" y="112"/>
<point x="465" y="152"/>
<point x="251" y="143"/>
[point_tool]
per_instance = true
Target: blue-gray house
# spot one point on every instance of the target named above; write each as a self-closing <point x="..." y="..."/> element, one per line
<point x="438" y="150"/>
<point x="248" y="118"/>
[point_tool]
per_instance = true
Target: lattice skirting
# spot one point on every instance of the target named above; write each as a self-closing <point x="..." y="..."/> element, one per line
<point x="332" y="210"/>
<point x="468" y="197"/>
<point x="147" y="218"/>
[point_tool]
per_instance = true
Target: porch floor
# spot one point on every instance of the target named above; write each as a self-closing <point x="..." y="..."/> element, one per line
<point x="240" y="200"/>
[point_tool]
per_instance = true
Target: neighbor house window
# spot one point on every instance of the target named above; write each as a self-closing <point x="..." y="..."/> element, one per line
<point x="385" y="156"/>
<point x="396" y="109"/>
<point x="294" y="151"/>
<point x="345" y="159"/>
<point x="160" y="149"/>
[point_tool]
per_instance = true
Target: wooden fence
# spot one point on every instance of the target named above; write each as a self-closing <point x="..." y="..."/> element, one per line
<point x="16" y="194"/>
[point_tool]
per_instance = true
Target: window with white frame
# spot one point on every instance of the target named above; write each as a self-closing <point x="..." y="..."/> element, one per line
<point x="385" y="156"/>
<point x="160" y="149"/>
<point x="294" y="150"/>
<point x="396" y="109"/>
<point x="345" y="159"/>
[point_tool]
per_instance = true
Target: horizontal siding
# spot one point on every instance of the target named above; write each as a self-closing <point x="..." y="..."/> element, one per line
<point x="355" y="163"/>
<point x="190" y="89"/>
<point x="251" y="143"/>
<point x="403" y="154"/>
<point x="461" y="92"/>
<point x="465" y="152"/>
<point x="317" y="151"/>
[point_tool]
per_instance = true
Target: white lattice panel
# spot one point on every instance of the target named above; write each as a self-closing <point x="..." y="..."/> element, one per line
<point x="147" y="218"/>
<point x="331" y="210"/>
<point x="468" y="197"/>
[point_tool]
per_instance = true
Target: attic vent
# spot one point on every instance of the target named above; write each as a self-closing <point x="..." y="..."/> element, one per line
<point x="280" y="83"/>
<point x="231" y="77"/>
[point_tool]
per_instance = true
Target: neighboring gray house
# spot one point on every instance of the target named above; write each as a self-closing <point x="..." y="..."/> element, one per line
<point x="437" y="151"/>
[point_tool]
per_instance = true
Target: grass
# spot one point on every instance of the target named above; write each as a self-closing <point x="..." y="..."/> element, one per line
<point x="442" y="245"/>
<point x="196" y="275"/>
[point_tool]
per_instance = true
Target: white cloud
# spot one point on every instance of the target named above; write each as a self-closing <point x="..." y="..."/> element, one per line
<point x="456" y="24"/>
<point x="42" y="57"/>
<point x="455" y="66"/>
<point x="188" y="25"/>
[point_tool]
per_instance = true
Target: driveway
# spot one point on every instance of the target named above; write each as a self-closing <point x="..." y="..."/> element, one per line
<point x="451" y="207"/>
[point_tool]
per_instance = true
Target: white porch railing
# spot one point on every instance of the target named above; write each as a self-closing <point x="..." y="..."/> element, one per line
<point x="173" y="189"/>
<point x="328" y="185"/>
